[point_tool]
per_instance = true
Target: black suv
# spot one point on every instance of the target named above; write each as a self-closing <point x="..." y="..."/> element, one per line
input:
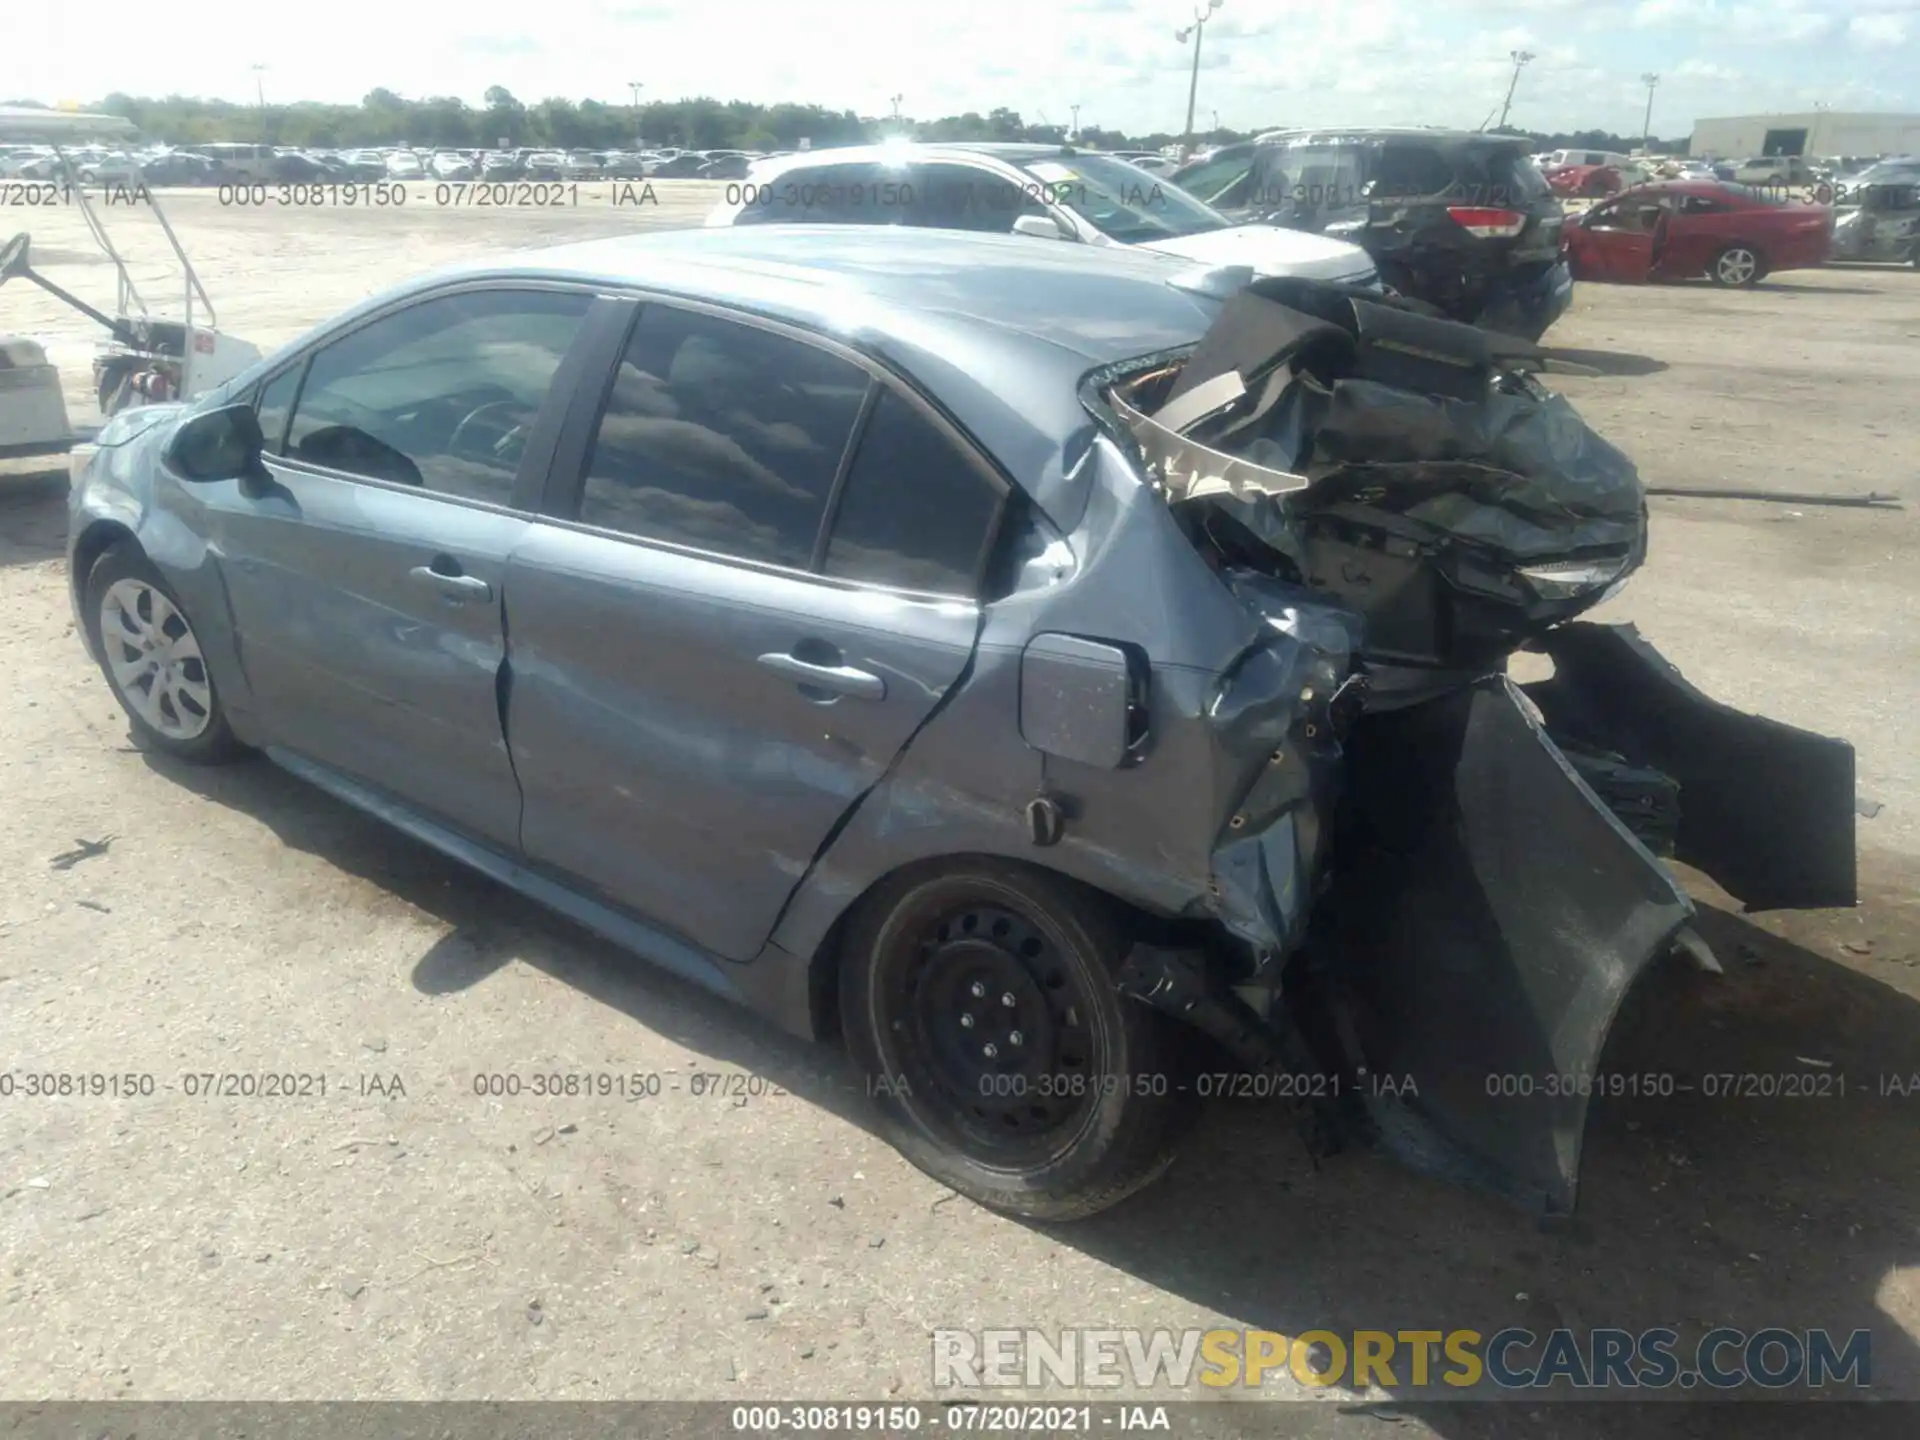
<point x="1462" y="220"/>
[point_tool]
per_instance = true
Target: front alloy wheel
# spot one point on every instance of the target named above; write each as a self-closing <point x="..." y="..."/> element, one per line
<point x="152" y="658"/>
<point x="980" y="1002"/>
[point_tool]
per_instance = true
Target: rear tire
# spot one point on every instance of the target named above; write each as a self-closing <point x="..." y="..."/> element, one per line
<point x="152" y="658"/>
<point x="1737" y="266"/>
<point x="980" y="1002"/>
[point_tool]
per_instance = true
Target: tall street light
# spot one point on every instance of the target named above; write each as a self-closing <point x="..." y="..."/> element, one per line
<point x="1076" y="121"/>
<point x="1197" y="30"/>
<point x="1646" y="130"/>
<point x="260" y="96"/>
<point x="1520" y="59"/>
<point x="634" y="87"/>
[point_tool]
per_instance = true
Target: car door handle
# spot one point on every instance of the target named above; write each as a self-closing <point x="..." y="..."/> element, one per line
<point x="454" y="587"/>
<point x="840" y="679"/>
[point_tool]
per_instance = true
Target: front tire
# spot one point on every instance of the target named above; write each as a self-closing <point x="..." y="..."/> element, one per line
<point x="153" y="661"/>
<point x="1737" y="266"/>
<point x="980" y="1002"/>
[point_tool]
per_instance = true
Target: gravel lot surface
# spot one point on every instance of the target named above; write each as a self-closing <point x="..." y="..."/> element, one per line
<point x="402" y="1237"/>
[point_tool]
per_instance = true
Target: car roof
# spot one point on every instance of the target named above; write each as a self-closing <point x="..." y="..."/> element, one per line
<point x="1438" y="133"/>
<point x="998" y="329"/>
<point x="906" y="152"/>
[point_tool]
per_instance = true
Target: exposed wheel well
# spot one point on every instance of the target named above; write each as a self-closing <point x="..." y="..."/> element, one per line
<point x="94" y="542"/>
<point x="823" y="968"/>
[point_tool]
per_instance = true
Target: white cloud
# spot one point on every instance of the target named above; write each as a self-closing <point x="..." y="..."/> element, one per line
<point x="1874" y="30"/>
<point x="1264" y="61"/>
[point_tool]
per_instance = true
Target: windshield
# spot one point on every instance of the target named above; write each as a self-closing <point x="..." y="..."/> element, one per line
<point x="1121" y="200"/>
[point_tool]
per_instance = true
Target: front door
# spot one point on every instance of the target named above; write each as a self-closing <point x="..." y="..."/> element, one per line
<point x="366" y="581"/>
<point x="759" y="583"/>
<point x="1616" y="241"/>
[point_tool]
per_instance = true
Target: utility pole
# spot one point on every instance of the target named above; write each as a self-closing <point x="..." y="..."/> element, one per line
<point x="1646" y="129"/>
<point x="1520" y="59"/>
<point x="1197" y="30"/>
<point x="260" y="97"/>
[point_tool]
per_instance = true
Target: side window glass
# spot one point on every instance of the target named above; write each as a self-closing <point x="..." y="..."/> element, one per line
<point x="275" y="405"/>
<point x="914" y="512"/>
<point x="1223" y="180"/>
<point x="439" y="395"/>
<point x="1411" y="172"/>
<point x="723" y="437"/>
<point x="824" y="195"/>
<point x="966" y="197"/>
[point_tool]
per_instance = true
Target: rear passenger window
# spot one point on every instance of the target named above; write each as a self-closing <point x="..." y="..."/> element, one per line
<point x="723" y="437"/>
<point x="1411" y="170"/>
<point x="915" y="512"/>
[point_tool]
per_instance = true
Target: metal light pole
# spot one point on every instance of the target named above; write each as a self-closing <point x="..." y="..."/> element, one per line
<point x="1076" y="122"/>
<point x="634" y="87"/>
<point x="1197" y="30"/>
<point x="260" y="97"/>
<point x="1646" y="129"/>
<point x="1519" y="58"/>
<point x="895" y="100"/>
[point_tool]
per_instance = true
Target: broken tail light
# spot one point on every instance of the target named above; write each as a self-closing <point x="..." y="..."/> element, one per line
<point x="1488" y="224"/>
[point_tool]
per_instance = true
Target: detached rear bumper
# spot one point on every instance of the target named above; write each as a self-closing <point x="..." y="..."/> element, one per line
<point x="1490" y="912"/>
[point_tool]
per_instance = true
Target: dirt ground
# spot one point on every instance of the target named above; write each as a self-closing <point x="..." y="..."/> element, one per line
<point x="402" y="1237"/>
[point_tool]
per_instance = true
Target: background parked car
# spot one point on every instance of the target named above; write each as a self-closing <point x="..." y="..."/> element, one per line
<point x="1046" y="192"/>
<point x="1681" y="229"/>
<point x="687" y="165"/>
<point x="1882" y="223"/>
<point x="1462" y="220"/>
<point x="1586" y="182"/>
<point x="1776" y="170"/>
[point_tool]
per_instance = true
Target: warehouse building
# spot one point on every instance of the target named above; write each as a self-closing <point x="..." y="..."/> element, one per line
<point x="1815" y="133"/>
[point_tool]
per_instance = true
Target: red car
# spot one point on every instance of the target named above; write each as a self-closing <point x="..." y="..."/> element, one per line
<point x="1679" y="229"/>
<point x="1585" y="181"/>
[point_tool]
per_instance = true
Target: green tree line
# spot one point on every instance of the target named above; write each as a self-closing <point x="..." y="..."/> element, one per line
<point x="385" y="117"/>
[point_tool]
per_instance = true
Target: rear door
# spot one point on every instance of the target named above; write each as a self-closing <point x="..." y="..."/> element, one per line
<point x="366" y="582"/>
<point x="758" y="580"/>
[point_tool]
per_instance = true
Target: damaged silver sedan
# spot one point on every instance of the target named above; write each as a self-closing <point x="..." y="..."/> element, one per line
<point x="1052" y="672"/>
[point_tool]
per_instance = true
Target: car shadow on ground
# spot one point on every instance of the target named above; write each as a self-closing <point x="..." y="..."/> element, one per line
<point x="33" y="511"/>
<point x="1751" y="1210"/>
<point x="1608" y="362"/>
<point x="1789" y="287"/>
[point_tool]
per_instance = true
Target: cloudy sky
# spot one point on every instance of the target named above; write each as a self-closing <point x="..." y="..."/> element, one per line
<point x="1264" y="61"/>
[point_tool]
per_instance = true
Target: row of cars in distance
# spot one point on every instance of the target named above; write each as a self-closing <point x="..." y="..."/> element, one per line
<point x="1302" y="203"/>
<point x="236" y="163"/>
<point x="1464" y="221"/>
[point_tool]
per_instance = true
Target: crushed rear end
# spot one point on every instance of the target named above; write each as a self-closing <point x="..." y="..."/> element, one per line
<point x="1450" y="902"/>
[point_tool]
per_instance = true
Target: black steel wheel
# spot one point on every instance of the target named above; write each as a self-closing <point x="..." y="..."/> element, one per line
<point x="980" y="1001"/>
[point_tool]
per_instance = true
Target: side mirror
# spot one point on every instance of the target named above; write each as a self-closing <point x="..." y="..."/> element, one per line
<point x="223" y="444"/>
<point x="1040" y="227"/>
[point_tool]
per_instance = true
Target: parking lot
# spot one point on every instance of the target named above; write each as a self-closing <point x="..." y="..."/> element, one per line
<point x="403" y="1236"/>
